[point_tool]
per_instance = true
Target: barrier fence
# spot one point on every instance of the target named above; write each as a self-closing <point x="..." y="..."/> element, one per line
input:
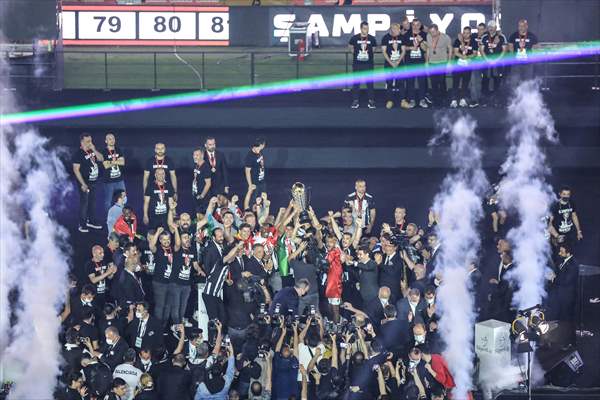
<point x="213" y="69"/>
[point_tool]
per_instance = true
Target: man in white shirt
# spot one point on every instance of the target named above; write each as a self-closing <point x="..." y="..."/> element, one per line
<point x="128" y="373"/>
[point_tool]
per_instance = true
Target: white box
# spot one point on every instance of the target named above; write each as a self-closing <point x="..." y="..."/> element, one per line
<point x="492" y="338"/>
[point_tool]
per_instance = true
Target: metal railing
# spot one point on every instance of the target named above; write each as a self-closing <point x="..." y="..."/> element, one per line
<point x="217" y="69"/>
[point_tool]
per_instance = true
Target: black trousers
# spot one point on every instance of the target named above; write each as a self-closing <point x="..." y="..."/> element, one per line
<point x="356" y="85"/>
<point x="395" y="87"/>
<point x="438" y="88"/>
<point x="214" y="307"/>
<point x="87" y="205"/>
<point x="460" y="85"/>
<point x="495" y="76"/>
<point x="416" y="94"/>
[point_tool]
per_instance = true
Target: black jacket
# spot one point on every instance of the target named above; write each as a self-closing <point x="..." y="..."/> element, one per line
<point x="391" y="275"/>
<point x="152" y="337"/>
<point x="174" y="383"/>
<point x="128" y="290"/>
<point x="147" y="395"/>
<point x="113" y="355"/>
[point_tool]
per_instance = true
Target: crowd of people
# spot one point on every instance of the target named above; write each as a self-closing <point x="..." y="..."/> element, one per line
<point x="300" y="305"/>
<point x="410" y="44"/>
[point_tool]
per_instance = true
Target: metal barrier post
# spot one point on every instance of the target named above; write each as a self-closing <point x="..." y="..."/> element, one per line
<point x="105" y="70"/>
<point x="252" y="68"/>
<point x="203" y="81"/>
<point x="155" y="73"/>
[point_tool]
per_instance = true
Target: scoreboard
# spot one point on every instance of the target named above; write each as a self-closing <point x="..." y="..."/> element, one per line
<point x="144" y="25"/>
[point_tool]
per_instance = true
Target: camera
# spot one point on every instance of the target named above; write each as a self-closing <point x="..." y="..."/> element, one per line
<point x="250" y="288"/>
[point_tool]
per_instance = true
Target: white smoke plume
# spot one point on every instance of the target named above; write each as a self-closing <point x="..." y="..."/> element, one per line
<point x="33" y="261"/>
<point x="459" y="206"/>
<point x="525" y="193"/>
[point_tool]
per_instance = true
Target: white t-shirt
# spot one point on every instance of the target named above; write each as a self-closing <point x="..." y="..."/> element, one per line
<point x="304" y="356"/>
<point x="129" y="374"/>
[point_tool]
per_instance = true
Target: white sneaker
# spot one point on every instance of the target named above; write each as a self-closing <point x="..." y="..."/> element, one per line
<point x="423" y="104"/>
<point x="463" y="103"/>
<point x="412" y="104"/>
<point x="454" y="104"/>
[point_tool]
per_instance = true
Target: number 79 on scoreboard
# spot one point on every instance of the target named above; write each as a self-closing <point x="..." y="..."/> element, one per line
<point x="144" y="25"/>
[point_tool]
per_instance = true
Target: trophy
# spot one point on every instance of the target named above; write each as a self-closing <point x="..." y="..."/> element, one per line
<point x="300" y="198"/>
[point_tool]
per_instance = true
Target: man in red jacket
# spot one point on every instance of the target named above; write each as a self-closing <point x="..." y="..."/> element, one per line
<point x="126" y="224"/>
<point x="437" y="366"/>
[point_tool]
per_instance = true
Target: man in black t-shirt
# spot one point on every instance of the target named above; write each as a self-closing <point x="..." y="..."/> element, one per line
<point x="415" y="48"/>
<point x="157" y="201"/>
<point x="521" y="43"/>
<point x="493" y="48"/>
<point x="113" y="169"/>
<point x="201" y="183"/>
<point x="99" y="272"/>
<point x="162" y="161"/>
<point x="564" y="222"/>
<point x="391" y="47"/>
<point x="85" y="168"/>
<point x="164" y="257"/>
<point x="362" y="46"/>
<point x="465" y="48"/>
<point x="254" y="169"/>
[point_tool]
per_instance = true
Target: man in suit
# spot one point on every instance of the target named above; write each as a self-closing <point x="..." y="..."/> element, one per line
<point x="390" y="271"/>
<point x="394" y="332"/>
<point x="144" y="331"/>
<point x="369" y="282"/>
<point x="374" y="308"/>
<point x="175" y="382"/>
<point x="434" y="246"/>
<point x="411" y="306"/>
<point x="500" y="296"/>
<point x="563" y="286"/>
<point x="218" y="167"/>
<point x="129" y="289"/>
<point x="113" y="351"/>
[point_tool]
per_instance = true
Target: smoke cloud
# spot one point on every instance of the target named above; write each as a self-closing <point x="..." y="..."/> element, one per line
<point x="33" y="260"/>
<point x="525" y="193"/>
<point x="459" y="205"/>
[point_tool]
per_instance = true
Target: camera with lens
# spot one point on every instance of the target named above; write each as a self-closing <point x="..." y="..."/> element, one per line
<point x="402" y="242"/>
<point x="250" y="288"/>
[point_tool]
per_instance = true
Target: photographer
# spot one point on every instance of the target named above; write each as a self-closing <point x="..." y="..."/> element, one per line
<point x="302" y="264"/>
<point x="242" y="300"/>
<point x="289" y="297"/>
<point x="285" y="364"/>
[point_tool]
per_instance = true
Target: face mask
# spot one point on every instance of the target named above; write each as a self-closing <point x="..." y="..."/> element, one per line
<point x="565" y="199"/>
<point x="420" y="339"/>
<point x="412" y="363"/>
<point x="138" y="268"/>
<point x="109" y="342"/>
<point x="87" y="302"/>
<point x="125" y="200"/>
<point x="384" y="302"/>
<point x="139" y="315"/>
<point x="145" y="362"/>
<point x="414" y="304"/>
<point x="430" y="301"/>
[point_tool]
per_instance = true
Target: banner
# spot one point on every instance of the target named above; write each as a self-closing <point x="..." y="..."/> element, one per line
<point x="337" y="24"/>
